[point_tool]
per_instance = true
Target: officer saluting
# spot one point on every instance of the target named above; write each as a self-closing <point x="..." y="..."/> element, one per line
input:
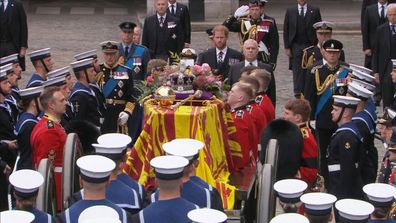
<point x="95" y="172"/>
<point x="26" y="184"/>
<point x="83" y="99"/>
<point x="170" y="207"/>
<point x="248" y="22"/>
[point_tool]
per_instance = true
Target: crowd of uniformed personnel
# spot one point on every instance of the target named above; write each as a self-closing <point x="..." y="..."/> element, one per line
<point x="335" y="110"/>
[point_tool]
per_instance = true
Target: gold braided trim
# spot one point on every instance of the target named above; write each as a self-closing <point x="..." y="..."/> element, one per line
<point x="392" y="211"/>
<point x="321" y="88"/>
<point x="100" y="79"/>
<point x="129" y="107"/>
<point x="307" y="61"/>
<point x="252" y="32"/>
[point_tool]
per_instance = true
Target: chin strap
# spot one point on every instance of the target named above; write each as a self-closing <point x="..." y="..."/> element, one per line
<point x="86" y="76"/>
<point x="340" y="115"/>
<point x="45" y="66"/>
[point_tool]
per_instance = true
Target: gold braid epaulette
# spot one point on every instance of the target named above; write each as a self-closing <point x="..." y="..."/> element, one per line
<point x="321" y="88"/>
<point x="244" y="32"/>
<point x="100" y="79"/>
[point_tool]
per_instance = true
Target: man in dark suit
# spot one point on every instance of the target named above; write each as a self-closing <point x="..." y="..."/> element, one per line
<point x="220" y="57"/>
<point x="181" y="12"/>
<point x="384" y="51"/>
<point x="375" y="15"/>
<point x="250" y="52"/>
<point x="250" y="22"/>
<point x="13" y="30"/>
<point x="163" y="34"/>
<point x="299" y="34"/>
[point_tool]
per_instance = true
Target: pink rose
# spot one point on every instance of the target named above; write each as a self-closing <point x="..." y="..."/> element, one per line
<point x="197" y="69"/>
<point x="150" y="80"/>
<point x="210" y="79"/>
<point x="206" y="67"/>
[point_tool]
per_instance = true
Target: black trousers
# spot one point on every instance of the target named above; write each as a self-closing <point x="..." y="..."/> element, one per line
<point x="298" y="72"/>
<point x="324" y="139"/>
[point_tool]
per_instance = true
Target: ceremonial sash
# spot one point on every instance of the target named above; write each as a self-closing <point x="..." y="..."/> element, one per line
<point x="138" y="52"/>
<point x="327" y="94"/>
<point x="109" y="87"/>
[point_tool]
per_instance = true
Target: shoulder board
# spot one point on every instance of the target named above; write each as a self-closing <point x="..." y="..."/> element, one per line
<point x="308" y="48"/>
<point x="50" y="124"/>
<point x="304" y="132"/>
<point x="126" y="67"/>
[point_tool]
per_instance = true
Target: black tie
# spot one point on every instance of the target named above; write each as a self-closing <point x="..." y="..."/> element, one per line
<point x="251" y="64"/>
<point x="173" y="9"/>
<point x="161" y="21"/>
<point x="220" y="57"/>
<point x="382" y="12"/>
<point x="126" y="51"/>
<point x="302" y="11"/>
<point x="2" y="8"/>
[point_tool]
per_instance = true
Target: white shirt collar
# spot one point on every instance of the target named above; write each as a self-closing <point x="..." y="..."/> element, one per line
<point x="223" y="50"/>
<point x="303" y="6"/>
<point x="5" y="3"/>
<point x="158" y="16"/>
<point x="379" y="8"/>
<point x="324" y="61"/>
<point x="247" y="63"/>
<point x="169" y="5"/>
<point x="124" y="45"/>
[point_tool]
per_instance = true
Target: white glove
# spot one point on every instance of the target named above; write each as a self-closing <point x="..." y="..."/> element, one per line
<point x="242" y="11"/>
<point x="123" y="118"/>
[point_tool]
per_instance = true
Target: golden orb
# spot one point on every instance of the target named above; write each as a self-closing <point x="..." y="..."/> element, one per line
<point x="165" y="96"/>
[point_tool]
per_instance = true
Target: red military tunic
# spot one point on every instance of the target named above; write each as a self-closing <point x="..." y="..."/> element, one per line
<point x="260" y="122"/>
<point x="246" y="132"/>
<point x="309" y="157"/>
<point x="48" y="139"/>
<point x="266" y="105"/>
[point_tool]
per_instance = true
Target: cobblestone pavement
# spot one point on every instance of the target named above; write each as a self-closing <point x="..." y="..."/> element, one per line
<point x="68" y="34"/>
